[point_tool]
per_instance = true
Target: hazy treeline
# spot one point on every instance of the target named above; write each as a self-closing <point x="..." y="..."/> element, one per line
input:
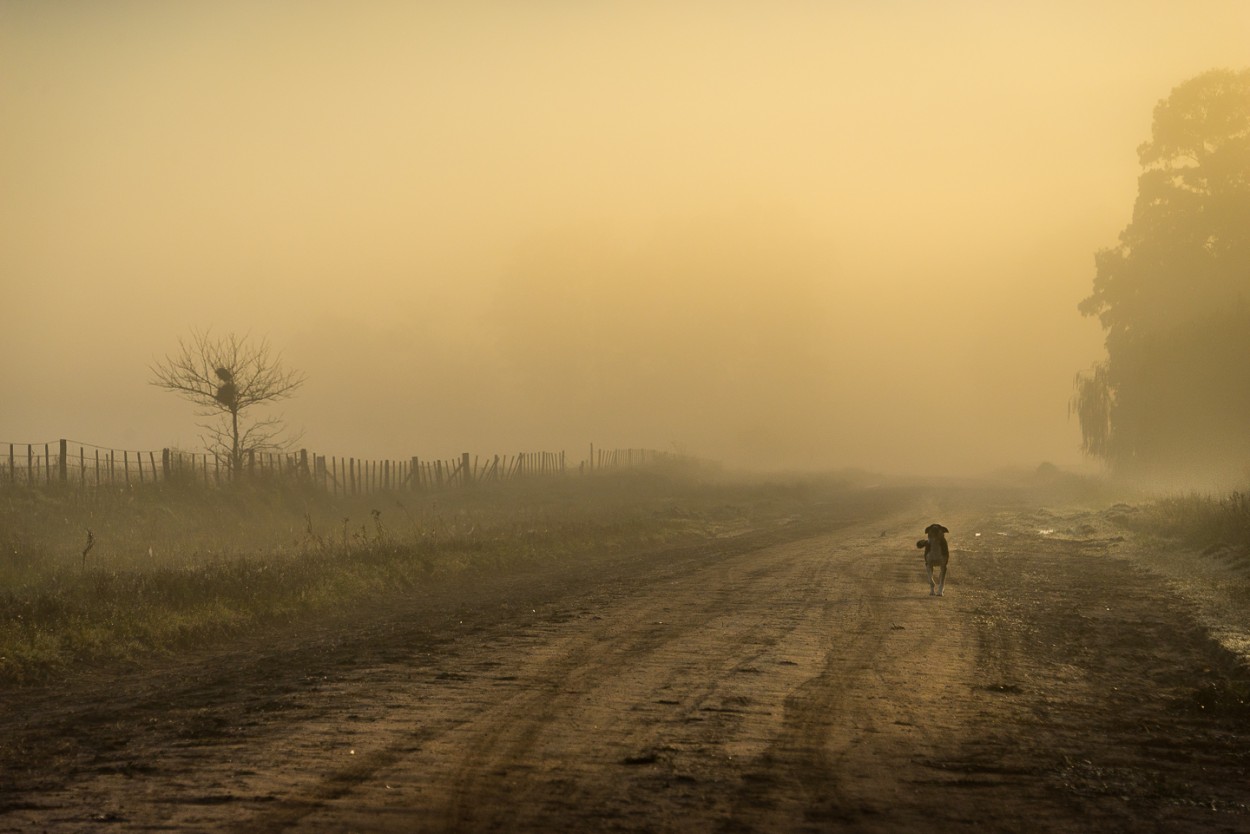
<point x="1173" y="395"/>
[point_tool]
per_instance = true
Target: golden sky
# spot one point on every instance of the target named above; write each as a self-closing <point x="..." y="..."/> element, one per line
<point x="810" y="234"/>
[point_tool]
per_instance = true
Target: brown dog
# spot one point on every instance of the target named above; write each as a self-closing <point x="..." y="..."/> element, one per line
<point x="936" y="554"/>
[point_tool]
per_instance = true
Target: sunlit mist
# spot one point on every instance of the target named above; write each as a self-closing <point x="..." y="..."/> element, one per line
<point x="788" y="235"/>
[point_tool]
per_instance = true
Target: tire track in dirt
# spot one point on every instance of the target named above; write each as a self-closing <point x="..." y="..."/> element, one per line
<point x="892" y="657"/>
<point x="229" y="732"/>
<point x="271" y="732"/>
<point x="656" y="689"/>
<point x="757" y="684"/>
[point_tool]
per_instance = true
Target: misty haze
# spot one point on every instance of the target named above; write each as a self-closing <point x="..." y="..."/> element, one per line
<point x="419" y="209"/>
<point x="624" y="416"/>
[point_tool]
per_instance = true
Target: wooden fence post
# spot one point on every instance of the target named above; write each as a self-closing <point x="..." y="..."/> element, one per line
<point x="62" y="460"/>
<point x="165" y="464"/>
<point x="416" y="474"/>
<point x="464" y="468"/>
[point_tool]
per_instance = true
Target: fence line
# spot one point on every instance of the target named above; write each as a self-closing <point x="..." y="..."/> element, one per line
<point x="71" y="463"/>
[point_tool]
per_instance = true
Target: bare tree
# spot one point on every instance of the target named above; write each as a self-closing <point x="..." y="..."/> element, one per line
<point x="226" y="377"/>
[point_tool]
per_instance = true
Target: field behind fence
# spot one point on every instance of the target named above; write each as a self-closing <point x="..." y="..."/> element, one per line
<point x="69" y="463"/>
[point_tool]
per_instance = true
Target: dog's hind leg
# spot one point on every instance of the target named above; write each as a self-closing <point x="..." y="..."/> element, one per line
<point x="941" y="583"/>
<point x="932" y="586"/>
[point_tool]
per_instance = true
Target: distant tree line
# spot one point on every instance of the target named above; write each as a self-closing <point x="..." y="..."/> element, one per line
<point x="1173" y="394"/>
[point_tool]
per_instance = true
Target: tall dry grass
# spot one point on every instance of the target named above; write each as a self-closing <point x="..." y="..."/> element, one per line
<point x="1202" y="522"/>
<point x="175" y="566"/>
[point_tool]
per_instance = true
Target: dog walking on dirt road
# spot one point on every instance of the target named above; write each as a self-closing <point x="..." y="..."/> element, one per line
<point x="937" y="553"/>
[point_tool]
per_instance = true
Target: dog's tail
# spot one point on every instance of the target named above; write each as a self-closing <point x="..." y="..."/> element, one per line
<point x="922" y="544"/>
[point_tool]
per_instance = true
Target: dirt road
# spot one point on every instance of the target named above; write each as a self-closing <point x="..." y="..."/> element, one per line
<point x="795" y="679"/>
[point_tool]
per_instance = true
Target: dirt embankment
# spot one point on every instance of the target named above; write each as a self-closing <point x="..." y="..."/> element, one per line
<point x="797" y="679"/>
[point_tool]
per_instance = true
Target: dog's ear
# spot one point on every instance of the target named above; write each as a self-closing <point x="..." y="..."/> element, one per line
<point x="943" y="529"/>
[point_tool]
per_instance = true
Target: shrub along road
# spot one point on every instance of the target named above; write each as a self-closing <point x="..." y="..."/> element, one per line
<point x="799" y="678"/>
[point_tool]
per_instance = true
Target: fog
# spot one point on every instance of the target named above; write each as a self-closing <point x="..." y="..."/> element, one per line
<point x="779" y="235"/>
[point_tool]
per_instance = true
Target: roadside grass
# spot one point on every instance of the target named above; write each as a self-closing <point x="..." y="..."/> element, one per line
<point x="1206" y="523"/>
<point x="175" y="567"/>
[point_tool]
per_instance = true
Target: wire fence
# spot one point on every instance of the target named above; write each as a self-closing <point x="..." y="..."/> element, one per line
<point x="69" y="463"/>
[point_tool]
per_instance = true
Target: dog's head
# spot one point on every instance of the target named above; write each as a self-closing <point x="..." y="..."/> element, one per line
<point x="935" y="530"/>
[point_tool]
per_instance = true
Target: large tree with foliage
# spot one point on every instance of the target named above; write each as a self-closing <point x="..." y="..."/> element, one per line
<point x="1173" y="394"/>
<point x="227" y="377"/>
